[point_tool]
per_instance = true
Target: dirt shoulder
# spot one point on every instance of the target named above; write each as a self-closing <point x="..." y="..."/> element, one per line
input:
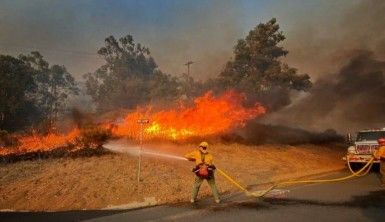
<point x="97" y="182"/>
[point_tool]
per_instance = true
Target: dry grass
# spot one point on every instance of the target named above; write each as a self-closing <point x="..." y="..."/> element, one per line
<point x="96" y="182"/>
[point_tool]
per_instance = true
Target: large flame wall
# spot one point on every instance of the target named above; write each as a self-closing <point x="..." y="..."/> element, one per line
<point x="208" y="115"/>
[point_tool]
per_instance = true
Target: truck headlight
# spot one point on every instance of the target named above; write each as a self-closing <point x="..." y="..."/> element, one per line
<point x="352" y="150"/>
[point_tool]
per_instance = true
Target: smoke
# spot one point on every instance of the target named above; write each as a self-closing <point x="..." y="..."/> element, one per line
<point x="321" y="44"/>
<point x="205" y="34"/>
<point x="70" y="32"/>
<point x="351" y="99"/>
<point x="349" y="70"/>
<point x="257" y="134"/>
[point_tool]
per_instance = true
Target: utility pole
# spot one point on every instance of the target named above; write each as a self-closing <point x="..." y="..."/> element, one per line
<point x="188" y="66"/>
<point x="141" y="122"/>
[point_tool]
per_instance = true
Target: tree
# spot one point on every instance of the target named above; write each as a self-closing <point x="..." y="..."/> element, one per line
<point x="189" y="88"/>
<point x="129" y="76"/>
<point x="54" y="85"/>
<point x="163" y="87"/>
<point x="17" y="87"/>
<point x="257" y="69"/>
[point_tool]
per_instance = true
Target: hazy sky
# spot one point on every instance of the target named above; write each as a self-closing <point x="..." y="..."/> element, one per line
<point x="70" y="32"/>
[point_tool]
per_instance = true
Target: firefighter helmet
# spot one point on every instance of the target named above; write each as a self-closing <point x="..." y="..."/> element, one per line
<point x="381" y="141"/>
<point x="204" y="144"/>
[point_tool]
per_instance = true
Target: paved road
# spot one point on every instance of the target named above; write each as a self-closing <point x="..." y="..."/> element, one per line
<point x="361" y="199"/>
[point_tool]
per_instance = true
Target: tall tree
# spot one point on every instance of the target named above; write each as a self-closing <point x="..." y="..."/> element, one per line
<point x="257" y="69"/>
<point x="54" y="85"/>
<point x="17" y="88"/>
<point x="129" y="76"/>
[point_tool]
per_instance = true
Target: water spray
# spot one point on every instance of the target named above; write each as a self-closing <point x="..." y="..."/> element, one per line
<point x="169" y="156"/>
<point x="122" y="147"/>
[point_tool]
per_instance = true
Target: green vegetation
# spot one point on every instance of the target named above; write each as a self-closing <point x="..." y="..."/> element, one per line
<point x="258" y="71"/>
<point x="129" y="77"/>
<point x="32" y="92"/>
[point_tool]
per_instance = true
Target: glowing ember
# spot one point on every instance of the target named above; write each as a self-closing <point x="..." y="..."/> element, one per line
<point x="208" y="116"/>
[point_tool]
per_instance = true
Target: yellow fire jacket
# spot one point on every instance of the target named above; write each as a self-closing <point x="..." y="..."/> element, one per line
<point x="196" y="156"/>
<point x="380" y="153"/>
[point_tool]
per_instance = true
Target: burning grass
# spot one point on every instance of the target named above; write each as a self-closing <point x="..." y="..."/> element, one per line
<point x="209" y="115"/>
<point x="86" y="141"/>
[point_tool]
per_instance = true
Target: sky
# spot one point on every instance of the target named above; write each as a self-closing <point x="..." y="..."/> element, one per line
<point x="70" y="32"/>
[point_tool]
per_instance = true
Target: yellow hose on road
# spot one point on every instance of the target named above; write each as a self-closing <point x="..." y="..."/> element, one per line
<point x="362" y="172"/>
<point x="232" y="180"/>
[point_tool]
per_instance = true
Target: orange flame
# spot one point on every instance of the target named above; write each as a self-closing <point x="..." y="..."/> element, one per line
<point x="210" y="115"/>
<point x="35" y="142"/>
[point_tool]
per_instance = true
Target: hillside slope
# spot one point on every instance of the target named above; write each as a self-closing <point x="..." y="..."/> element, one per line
<point x="111" y="179"/>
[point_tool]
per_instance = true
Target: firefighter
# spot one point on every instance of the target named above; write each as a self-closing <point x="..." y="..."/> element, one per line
<point x="380" y="154"/>
<point x="204" y="170"/>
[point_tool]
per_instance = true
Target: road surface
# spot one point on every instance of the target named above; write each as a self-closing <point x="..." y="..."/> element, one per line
<point x="360" y="199"/>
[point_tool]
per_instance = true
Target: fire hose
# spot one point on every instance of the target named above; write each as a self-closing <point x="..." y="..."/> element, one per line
<point x="362" y="172"/>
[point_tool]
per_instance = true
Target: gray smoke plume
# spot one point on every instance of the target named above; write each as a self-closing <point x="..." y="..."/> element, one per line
<point x="352" y="97"/>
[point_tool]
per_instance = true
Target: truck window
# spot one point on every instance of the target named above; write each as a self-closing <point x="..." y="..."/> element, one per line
<point x="364" y="136"/>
